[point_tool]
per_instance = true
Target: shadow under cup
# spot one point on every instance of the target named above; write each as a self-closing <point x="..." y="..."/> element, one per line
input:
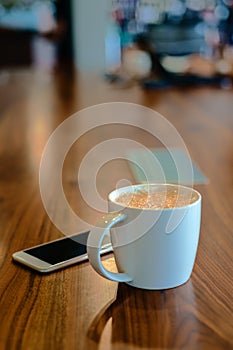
<point x="154" y="240"/>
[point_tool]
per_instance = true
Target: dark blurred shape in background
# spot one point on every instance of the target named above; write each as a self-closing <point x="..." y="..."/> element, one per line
<point x="35" y="33"/>
<point x="186" y="40"/>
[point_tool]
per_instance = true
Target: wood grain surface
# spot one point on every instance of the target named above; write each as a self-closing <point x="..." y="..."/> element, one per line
<point x="75" y="308"/>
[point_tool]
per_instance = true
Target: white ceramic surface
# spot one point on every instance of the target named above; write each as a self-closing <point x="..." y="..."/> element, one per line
<point x="147" y="255"/>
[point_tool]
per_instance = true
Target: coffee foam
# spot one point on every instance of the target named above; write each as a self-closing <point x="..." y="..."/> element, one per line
<point x="156" y="199"/>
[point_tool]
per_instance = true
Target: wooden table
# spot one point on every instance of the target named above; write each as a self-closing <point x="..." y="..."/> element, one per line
<point x="75" y="308"/>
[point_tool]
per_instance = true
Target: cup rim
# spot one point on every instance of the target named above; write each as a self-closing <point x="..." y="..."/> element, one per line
<point x="113" y="194"/>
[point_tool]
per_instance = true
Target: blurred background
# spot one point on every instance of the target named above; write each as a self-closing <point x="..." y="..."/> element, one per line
<point x="126" y="39"/>
<point x="35" y="33"/>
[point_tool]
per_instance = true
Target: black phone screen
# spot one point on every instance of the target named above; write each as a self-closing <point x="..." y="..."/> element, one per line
<point x="61" y="250"/>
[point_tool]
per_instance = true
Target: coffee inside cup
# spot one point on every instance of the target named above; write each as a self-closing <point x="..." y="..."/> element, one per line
<point x="156" y="197"/>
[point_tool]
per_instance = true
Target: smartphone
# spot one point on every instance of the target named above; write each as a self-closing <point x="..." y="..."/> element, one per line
<point x="58" y="254"/>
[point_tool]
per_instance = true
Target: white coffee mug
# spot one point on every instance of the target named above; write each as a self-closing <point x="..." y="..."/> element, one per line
<point x="153" y="248"/>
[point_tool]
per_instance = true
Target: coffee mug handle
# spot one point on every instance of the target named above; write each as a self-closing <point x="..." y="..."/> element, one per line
<point x="94" y="243"/>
